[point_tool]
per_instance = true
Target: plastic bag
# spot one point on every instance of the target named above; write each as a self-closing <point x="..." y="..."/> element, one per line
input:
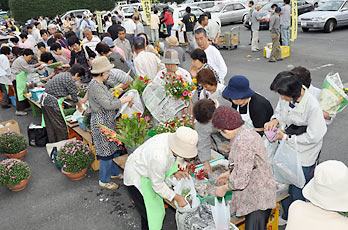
<point x="221" y="214"/>
<point x="137" y="105"/>
<point x="287" y="165"/>
<point x="190" y="197"/>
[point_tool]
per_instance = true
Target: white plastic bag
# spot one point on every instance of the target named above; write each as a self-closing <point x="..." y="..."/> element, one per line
<point x="187" y="184"/>
<point x="287" y="165"/>
<point x="137" y="105"/>
<point x="221" y="214"/>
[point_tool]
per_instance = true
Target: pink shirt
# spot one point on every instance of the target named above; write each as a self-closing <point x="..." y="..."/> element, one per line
<point x="252" y="181"/>
<point x="26" y="45"/>
<point x="65" y="57"/>
<point x="119" y="50"/>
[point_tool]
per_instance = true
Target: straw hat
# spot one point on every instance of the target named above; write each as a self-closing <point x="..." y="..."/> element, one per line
<point x="172" y="40"/>
<point x="171" y="57"/>
<point x="329" y="187"/>
<point x="101" y="65"/>
<point x="184" y="142"/>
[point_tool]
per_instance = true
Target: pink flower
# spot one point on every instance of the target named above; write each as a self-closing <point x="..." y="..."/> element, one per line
<point x="190" y="95"/>
<point x="147" y="118"/>
<point x="185" y="93"/>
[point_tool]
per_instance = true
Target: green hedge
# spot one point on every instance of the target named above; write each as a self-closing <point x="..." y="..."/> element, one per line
<point x="23" y="9"/>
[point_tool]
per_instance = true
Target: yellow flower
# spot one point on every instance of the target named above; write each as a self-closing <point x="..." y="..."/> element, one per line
<point x="185" y="84"/>
<point x="124" y="115"/>
<point x="141" y="119"/>
<point x="194" y="80"/>
<point x="116" y="94"/>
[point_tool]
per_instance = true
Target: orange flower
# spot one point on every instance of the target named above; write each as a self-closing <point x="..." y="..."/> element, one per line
<point x="182" y="98"/>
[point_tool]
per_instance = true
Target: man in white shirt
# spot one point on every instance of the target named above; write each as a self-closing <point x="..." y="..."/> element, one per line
<point x="130" y="27"/>
<point x="145" y="63"/>
<point x="154" y="26"/>
<point x="214" y="57"/>
<point x="213" y="28"/>
<point x="33" y="34"/>
<point x="5" y="73"/>
<point x="90" y="40"/>
<point x="43" y="23"/>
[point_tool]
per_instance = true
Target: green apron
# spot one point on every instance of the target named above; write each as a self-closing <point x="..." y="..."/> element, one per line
<point x="21" y="85"/>
<point x="153" y="202"/>
<point x="60" y="104"/>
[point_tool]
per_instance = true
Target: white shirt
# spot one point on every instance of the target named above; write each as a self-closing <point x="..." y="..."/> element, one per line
<point x="43" y="24"/>
<point x="155" y="22"/>
<point x="146" y="64"/>
<point x="130" y="27"/>
<point x="92" y="43"/>
<point x="5" y="70"/>
<point x="305" y="215"/>
<point x="36" y="35"/>
<point x="306" y="113"/>
<point x="214" y="27"/>
<point x="107" y="25"/>
<point x="93" y="25"/>
<point x="152" y="160"/>
<point x="316" y="93"/>
<point x="184" y="73"/>
<point x="216" y="61"/>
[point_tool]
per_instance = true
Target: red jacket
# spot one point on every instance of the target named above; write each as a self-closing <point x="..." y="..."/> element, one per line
<point x="168" y="18"/>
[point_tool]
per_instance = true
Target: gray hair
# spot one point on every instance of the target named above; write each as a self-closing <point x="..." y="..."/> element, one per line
<point x="201" y="31"/>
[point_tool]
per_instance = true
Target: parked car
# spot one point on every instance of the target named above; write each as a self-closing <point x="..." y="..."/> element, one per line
<point x="205" y="5"/>
<point x="81" y="12"/>
<point x="302" y="7"/>
<point x="180" y="11"/>
<point x="230" y="12"/>
<point x="327" y="16"/>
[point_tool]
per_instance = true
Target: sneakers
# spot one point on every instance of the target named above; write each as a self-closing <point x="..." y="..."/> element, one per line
<point x="118" y="177"/>
<point x="110" y="185"/>
<point x="21" y="113"/>
<point x="282" y="222"/>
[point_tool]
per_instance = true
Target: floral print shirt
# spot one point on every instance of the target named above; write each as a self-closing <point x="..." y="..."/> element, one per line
<point x="251" y="180"/>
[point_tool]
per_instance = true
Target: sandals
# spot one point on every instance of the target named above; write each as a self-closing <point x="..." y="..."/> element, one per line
<point x="110" y="185"/>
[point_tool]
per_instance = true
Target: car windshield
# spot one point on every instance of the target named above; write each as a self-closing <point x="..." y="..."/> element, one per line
<point x="217" y="8"/>
<point x="268" y="6"/>
<point x="330" y="6"/>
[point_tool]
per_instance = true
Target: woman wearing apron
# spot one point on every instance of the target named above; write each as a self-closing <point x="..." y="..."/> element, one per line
<point x="255" y="109"/>
<point x="104" y="107"/>
<point x="147" y="168"/>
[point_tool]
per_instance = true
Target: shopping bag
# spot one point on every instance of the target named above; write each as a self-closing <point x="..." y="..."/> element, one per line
<point x="221" y="214"/>
<point x="187" y="186"/>
<point x="287" y="165"/>
<point x="37" y="135"/>
<point x="332" y="98"/>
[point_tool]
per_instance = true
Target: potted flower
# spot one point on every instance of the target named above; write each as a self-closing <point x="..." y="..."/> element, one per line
<point x="75" y="157"/>
<point x="139" y="83"/>
<point x="131" y="130"/>
<point x="13" y="145"/>
<point x="14" y="174"/>
<point x="171" y="126"/>
<point x="176" y="86"/>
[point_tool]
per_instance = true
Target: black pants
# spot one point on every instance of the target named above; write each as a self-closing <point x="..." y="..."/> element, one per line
<point x="5" y="98"/>
<point x="257" y="220"/>
<point x="139" y="205"/>
<point x="20" y="105"/>
<point x="55" y="124"/>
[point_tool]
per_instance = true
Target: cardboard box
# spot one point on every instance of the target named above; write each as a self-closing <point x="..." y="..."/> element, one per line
<point x="11" y="125"/>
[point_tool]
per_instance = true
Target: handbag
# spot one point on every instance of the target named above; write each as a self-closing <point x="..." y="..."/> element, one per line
<point x="53" y="157"/>
<point x="37" y="135"/>
<point x="296" y="130"/>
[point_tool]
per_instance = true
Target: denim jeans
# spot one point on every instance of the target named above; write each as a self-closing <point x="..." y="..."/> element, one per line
<point x="108" y="168"/>
<point x="285" y="35"/>
<point x="169" y="30"/>
<point x="295" y="192"/>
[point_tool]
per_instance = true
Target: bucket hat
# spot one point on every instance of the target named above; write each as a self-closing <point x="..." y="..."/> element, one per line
<point x="108" y="41"/>
<point x="171" y="57"/>
<point x="227" y="118"/>
<point x="184" y="142"/>
<point x="238" y="88"/>
<point x="328" y="188"/>
<point x="101" y="65"/>
<point x="172" y="40"/>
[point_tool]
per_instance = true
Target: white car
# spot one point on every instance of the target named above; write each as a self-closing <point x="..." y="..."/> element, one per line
<point x="81" y="12"/>
<point x="205" y="5"/>
<point x="230" y="12"/>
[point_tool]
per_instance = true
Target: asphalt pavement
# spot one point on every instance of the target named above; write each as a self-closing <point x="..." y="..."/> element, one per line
<point x="52" y="201"/>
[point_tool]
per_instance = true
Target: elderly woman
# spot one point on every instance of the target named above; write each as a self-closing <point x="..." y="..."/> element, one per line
<point x="251" y="178"/>
<point x="199" y="62"/>
<point x="104" y="108"/>
<point x="328" y="201"/>
<point x="298" y="121"/>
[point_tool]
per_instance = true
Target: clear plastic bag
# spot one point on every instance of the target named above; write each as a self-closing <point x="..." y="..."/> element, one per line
<point x="287" y="165"/>
<point x="190" y="197"/>
<point x="221" y="214"/>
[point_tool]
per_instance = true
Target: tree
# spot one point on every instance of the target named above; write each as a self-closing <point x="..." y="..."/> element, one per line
<point x="23" y="9"/>
<point x="4" y="5"/>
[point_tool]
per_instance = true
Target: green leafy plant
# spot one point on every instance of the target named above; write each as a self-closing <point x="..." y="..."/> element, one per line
<point x="85" y="121"/>
<point x="171" y="126"/>
<point x="12" y="143"/>
<point x="75" y="156"/>
<point x="13" y="171"/>
<point x="176" y="86"/>
<point x="139" y="83"/>
<point x="131" y="130"/>
<point x="82" y="90"/>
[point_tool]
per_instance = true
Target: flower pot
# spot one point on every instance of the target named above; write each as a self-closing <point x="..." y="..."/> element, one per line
<point x="20" y="186"/>
<point x="75" y="176"/>
<point x="19" y="155"/>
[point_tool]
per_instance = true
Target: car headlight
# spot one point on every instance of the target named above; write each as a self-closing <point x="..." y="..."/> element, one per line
<point x="319" y="19"/>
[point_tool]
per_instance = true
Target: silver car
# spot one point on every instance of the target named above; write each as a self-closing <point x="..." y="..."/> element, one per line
<point x="327" y="16"/>
<point x="229" y="12"/>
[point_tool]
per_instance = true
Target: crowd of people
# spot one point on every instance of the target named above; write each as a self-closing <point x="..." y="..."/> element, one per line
<point x="229" y="118"/>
